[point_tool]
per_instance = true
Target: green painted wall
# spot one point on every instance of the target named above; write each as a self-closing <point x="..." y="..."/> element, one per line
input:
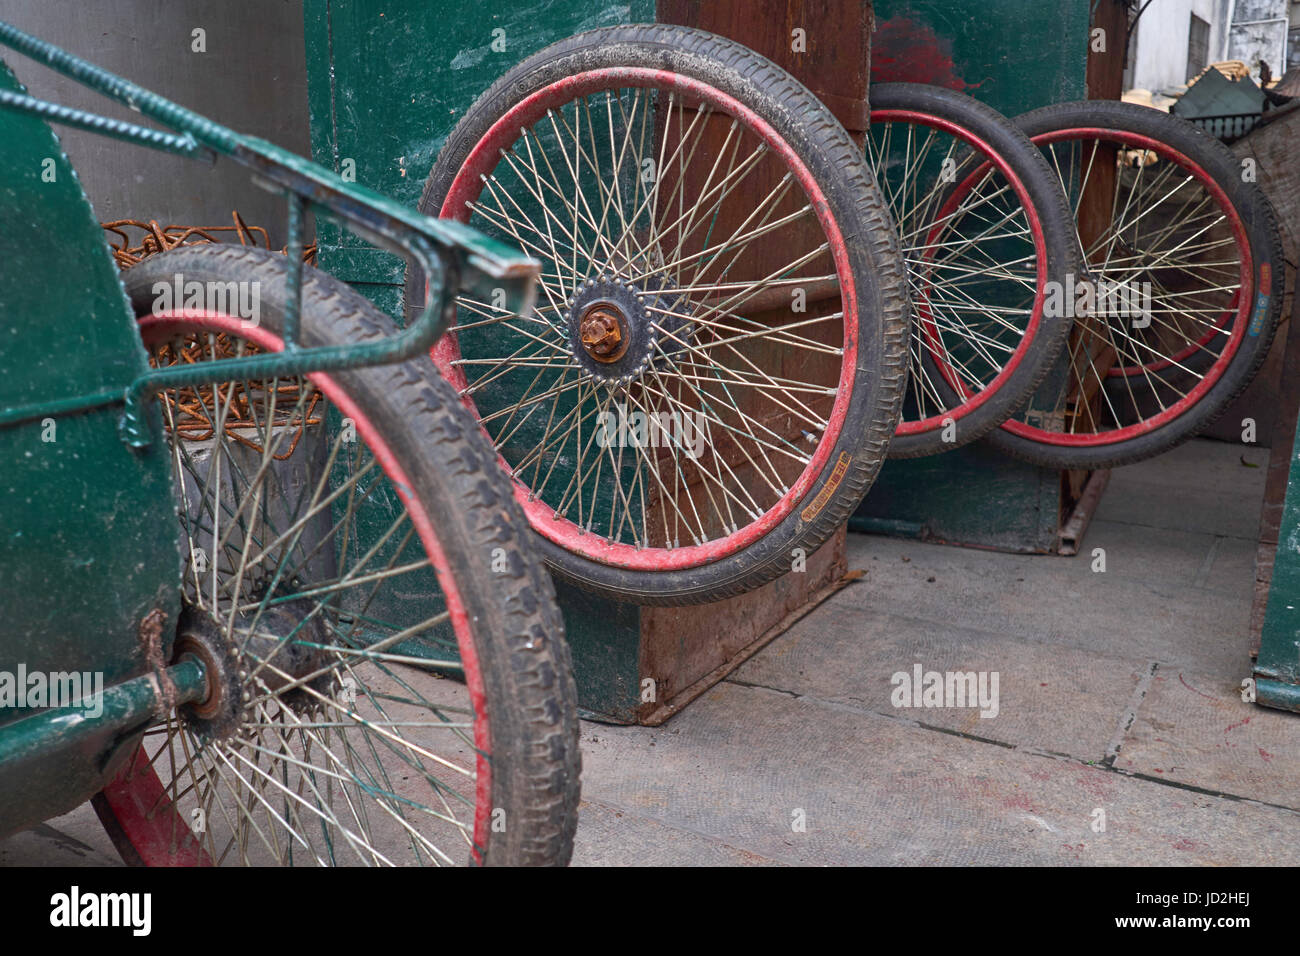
<point x="1014" y="55"/>
<point x="388" y="81"/>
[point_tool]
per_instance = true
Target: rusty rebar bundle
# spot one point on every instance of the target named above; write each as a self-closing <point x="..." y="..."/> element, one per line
<point x="155" y="238"/>
<point x="190" y="410"/>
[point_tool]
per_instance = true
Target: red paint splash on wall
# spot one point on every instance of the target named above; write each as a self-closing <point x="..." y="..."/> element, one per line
<point x="905" y="51"/>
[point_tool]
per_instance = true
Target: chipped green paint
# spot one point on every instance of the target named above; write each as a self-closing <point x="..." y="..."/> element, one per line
<point x="88" y="539"/>
<point x="88" y="533"/>
<point x="1277" y="669"/>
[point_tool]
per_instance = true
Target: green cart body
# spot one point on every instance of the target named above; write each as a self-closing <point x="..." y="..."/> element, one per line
<point x="90" y="548"/>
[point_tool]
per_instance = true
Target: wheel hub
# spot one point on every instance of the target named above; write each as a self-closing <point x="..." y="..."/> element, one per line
<point x="266" y="662"/>
<point x="610" y="332"/>
<point x="617" y="329"/>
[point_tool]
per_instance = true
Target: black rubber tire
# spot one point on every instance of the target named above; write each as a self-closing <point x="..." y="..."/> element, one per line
<point x="1060" y="243"/>
<point x="884" y="314"/>
<point x="1268" y="257"/>
<point x="518" y="633"/>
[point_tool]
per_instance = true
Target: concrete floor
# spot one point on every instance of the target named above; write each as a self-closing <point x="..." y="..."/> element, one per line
<point x="1119" y="692"/>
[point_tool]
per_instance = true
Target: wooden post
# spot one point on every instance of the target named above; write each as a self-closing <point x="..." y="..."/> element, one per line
<point x="833" y="60"/>
<point x="1272" y="146"/>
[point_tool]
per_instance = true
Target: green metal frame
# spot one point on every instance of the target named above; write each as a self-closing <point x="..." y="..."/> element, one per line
<point x="452" y="255"/>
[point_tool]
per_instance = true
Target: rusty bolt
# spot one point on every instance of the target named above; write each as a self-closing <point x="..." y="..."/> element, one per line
<point x="602" y="335"/>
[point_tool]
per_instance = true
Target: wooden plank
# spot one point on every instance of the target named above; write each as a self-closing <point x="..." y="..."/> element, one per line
<point x="1105" y="79"/>
<point x="825" y="46"/>
<point x="834" y="61"/>
<point x="686" y="650"/>
<point x="1106" y="65"/>
<point x="1089" y="339"/>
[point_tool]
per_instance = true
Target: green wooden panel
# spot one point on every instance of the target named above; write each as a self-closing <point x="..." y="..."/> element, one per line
<point x="1277" y="669"/>
<point x="386" y="86"/>
<point x="1014" y="55"/>
<point x="385" y="89"/>
<point x="605" y="638"/>
<point x="972" y="495"/>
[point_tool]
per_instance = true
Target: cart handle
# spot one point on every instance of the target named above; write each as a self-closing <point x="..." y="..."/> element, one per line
<point x="452" y="255"/>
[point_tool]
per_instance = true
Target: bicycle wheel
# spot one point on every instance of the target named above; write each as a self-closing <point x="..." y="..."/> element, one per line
<point x="348" y="541"/>
<point x="1186" y="268"/>
<point x="714" y="374"/>
<point x="985" y="229"/>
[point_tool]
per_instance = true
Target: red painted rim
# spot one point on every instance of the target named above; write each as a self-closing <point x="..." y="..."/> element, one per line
<point x="925" y="320"/>
<point x="160" y="837"/>
<point x="138" y="787"/>
<point x="467" y="185"/>
<point x="1246" y="293"/>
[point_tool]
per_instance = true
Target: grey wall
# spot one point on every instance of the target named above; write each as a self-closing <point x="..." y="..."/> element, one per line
<point x="253" y="78"/>
<point x="1160" y="61"/>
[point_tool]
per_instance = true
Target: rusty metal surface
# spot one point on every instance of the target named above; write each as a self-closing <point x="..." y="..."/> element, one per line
<point x="1076" y="526"/>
